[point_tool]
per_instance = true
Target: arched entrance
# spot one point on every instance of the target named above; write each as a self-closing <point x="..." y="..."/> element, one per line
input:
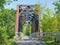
<point x="26" y="19"/>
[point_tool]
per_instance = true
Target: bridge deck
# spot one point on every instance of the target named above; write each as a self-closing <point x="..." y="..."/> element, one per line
<point x="30" y="42"/>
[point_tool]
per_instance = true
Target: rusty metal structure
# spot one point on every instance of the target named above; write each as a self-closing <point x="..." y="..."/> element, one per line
<point x="25" y="13"/>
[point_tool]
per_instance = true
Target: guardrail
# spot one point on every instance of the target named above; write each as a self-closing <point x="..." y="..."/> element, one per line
<point x="43" y="35"/>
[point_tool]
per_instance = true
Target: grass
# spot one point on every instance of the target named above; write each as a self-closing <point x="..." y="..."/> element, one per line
<point x="52" y="43"/>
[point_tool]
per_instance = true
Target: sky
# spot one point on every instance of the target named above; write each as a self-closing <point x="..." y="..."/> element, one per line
<point x="46" y="3"/>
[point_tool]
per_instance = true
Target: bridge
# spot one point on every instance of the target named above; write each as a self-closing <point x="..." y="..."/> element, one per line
<point x="27" y="24"/>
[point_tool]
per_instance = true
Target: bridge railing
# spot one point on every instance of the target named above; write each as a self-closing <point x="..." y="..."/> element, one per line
<point x="45" y="35"/>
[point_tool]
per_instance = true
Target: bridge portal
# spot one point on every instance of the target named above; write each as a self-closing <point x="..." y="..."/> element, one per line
<point x="26" y="16"/>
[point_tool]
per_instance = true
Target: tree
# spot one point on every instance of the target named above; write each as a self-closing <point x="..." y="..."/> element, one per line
<point x="46" y="20"/>
<point x="57" y="8"/>
<point x="3" y="36"/>
<point x="3" y="2"/>
<point x="49" y="24"/>
<point x="7" y="24"/>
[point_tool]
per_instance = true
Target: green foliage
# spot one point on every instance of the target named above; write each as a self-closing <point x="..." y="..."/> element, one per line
<point x="37" y="9"/>
<point x="3" y="36"/>
<point x="49" y="21"/>
<point x="27" y="28"/>
<point x="49" y="24"/>
<point x="8" y="20"/>
<point x="57" y="4"/>
<point x="7" y="24"/>
<point x="3" y="2"/>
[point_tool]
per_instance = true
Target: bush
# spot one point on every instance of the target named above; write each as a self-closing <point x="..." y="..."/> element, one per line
<point x="3" y="36"/>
